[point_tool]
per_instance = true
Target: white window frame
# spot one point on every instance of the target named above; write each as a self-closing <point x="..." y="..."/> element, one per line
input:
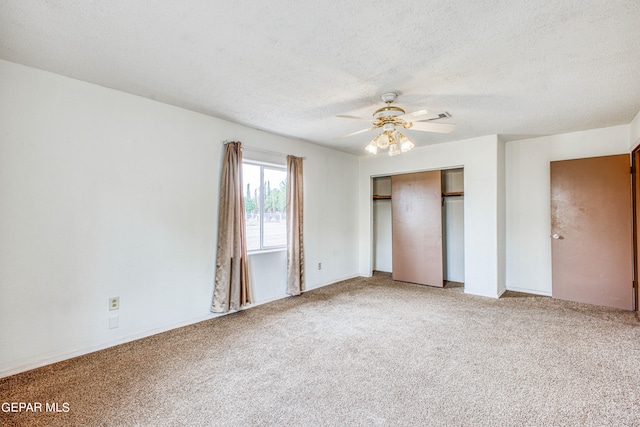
<point x="263" y="166"/>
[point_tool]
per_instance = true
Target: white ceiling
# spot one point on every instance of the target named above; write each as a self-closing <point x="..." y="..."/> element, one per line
<point x="515" y="67"/>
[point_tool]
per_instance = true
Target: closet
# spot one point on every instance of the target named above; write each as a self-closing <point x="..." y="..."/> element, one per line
<point x="418" y="226"/>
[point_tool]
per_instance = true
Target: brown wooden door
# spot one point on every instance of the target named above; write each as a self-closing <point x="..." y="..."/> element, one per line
<point x="591" y="231"/>
<point x="635" y="185"/>
<point x="416" y="218"/>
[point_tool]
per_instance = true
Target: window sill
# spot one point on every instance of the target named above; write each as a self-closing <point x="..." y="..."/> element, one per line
<point x="266" y="251"/>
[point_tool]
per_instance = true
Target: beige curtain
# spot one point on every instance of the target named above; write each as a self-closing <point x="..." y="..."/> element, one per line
<point x="295" y="249"/>
<point x="231" y="289"/>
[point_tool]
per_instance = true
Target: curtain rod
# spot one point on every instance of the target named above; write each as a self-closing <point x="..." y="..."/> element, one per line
<point x="226" y="141"/>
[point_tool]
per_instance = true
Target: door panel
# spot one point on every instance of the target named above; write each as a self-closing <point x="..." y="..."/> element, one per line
<point x="635" y="185"/>
<point x="591" y="228"/>
<point x="416" y="212"/>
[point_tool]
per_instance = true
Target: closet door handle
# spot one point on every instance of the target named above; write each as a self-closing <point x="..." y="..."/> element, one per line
<point x="555" y="236"/>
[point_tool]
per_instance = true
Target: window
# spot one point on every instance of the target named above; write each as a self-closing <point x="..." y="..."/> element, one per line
<point x="264" y="206"/>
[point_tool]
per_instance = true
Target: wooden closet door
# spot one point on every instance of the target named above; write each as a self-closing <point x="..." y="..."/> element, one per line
<point x="416" y="211"/>
<point x="591" y="231"/>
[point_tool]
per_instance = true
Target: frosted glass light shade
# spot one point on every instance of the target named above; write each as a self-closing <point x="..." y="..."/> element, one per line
<point x="394" y="150"/>
<point x="372" y="147"/>
<point x="405" y="143"/>
<point x="382" y="141"/>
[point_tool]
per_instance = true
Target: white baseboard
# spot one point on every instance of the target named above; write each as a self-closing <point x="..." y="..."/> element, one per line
<point x="112" y="343"/>
<point x="333" y="282"/>
<point x="529" y="291"/>
<point x="494" y="296"/>
<point x="267" y="301"/>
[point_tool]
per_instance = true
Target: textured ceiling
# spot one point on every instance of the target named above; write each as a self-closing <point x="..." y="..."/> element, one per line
<point x="507" y="67"/>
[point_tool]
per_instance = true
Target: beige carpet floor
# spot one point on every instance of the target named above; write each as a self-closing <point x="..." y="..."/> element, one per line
<point x="363" y="352"/>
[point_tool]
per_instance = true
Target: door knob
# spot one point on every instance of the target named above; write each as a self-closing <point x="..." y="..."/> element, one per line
<point x="556" y="236"/>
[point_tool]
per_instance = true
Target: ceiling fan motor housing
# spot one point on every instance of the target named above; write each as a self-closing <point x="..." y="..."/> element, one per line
<point x="386" y="115"/>
<point x="388" y="111"/>
<point x="389" y="97"/>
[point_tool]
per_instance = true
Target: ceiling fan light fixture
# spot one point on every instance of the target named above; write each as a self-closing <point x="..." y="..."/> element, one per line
<point x="390" y="118"/>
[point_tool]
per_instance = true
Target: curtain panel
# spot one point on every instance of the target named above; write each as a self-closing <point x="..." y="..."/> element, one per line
<point x="231" y="290"/>
<point x="295" y="247"/>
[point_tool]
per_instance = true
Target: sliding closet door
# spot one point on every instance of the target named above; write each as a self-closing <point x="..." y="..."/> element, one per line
<point x="416" y="211"/>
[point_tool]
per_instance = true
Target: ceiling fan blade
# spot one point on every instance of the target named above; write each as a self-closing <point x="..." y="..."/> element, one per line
<point x="433" y="127"/>
<point x="416" y="116"/>
<point x="355" y="133"/>
<point x="423" y="115"/>
<point x="353" y="118"/>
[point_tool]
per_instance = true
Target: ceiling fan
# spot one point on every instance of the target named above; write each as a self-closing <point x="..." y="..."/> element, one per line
<point x="391" y="117"/>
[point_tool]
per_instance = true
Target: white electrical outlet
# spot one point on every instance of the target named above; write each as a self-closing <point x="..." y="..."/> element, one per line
<point x="114" y="303"/>
<point x="319" y="266"/>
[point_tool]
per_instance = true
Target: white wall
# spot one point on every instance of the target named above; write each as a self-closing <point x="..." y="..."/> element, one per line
<point x="107" y="194"/>
<point x="479" y="157"/>
<point x="453" y="226"/>
<point x="382" y="249"/>
<point x="501" y="216"/>
<point x="453" y="238"/>
<point x="528" y="212"/>
<point x="268" y="273"/>
<point x="382" y="245"/>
